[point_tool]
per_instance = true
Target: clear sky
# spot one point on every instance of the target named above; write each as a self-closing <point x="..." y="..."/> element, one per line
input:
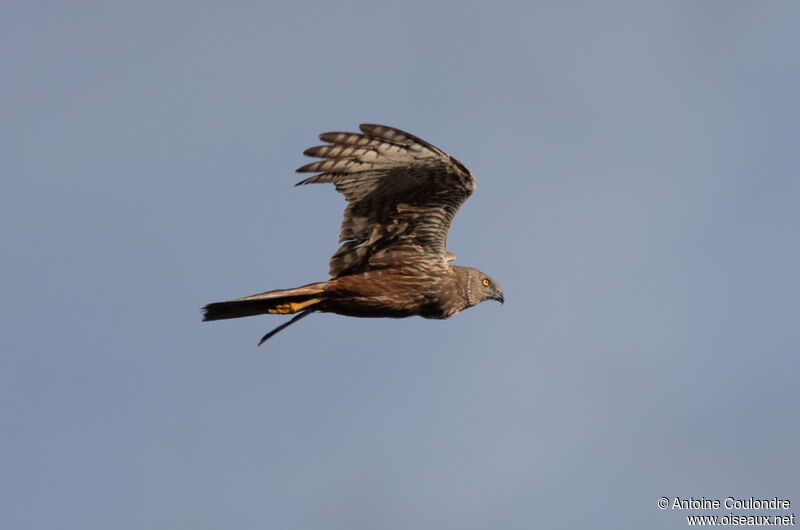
<point x="638" y="171"/>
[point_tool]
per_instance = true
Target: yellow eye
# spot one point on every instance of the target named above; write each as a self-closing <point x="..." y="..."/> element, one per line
<point x="486" y="282"/>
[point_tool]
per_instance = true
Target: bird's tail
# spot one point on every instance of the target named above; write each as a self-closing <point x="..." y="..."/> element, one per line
<point x="280" y="302"/>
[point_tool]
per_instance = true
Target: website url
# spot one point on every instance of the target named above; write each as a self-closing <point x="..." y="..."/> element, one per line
<point x="740" y="520"/>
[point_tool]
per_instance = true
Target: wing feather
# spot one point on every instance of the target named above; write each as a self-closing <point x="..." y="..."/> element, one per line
<point x="402" y="195"/>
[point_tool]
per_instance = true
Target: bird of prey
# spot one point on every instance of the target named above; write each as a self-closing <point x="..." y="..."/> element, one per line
<point x="402" y="194"/>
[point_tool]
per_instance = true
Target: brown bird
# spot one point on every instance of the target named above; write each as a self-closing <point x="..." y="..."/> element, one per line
<point x="402" y="194"/>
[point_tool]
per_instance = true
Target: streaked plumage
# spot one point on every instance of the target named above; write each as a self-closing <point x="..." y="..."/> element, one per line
<point x="402" y="195"/>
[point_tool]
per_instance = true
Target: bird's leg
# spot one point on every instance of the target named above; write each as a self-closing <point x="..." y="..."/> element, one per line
<point x="285" y="324"/>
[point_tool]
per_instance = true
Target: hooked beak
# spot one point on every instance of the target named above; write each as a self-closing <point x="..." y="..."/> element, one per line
<point x="499" y="297"/>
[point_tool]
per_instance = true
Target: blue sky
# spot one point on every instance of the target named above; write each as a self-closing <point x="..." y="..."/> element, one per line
<point x="637" y="167"/>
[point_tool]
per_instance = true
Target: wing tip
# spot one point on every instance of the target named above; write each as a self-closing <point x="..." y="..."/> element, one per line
<point x="383" y="132"/>
<point x="304" y="181"/>
<point x="366" y="128"/>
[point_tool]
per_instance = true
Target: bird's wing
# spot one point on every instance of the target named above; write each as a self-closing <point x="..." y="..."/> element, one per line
<point x="402" y="195"/>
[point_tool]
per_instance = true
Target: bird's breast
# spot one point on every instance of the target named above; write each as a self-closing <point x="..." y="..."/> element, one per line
<point x="388" y="293"/>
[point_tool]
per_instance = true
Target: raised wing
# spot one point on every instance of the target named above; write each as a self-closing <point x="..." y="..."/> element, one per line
<point x="402" y="195"/>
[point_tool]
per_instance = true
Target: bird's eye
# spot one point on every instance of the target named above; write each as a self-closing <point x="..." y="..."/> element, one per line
<point x="486" y="282"/>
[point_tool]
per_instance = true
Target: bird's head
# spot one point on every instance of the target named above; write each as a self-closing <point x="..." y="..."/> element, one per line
<point x="481" y="287"/>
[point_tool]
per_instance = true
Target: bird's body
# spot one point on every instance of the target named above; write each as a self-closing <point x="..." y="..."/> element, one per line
<point x="402" y="195"/>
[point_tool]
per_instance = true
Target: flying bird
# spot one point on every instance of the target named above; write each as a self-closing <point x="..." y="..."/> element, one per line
<point x="402" y="194"/>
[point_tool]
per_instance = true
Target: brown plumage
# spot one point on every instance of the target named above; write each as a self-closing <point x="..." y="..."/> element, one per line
<point x="402" y="194"/>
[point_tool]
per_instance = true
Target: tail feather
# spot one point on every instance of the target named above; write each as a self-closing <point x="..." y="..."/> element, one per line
<point x="281" y="302"/>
